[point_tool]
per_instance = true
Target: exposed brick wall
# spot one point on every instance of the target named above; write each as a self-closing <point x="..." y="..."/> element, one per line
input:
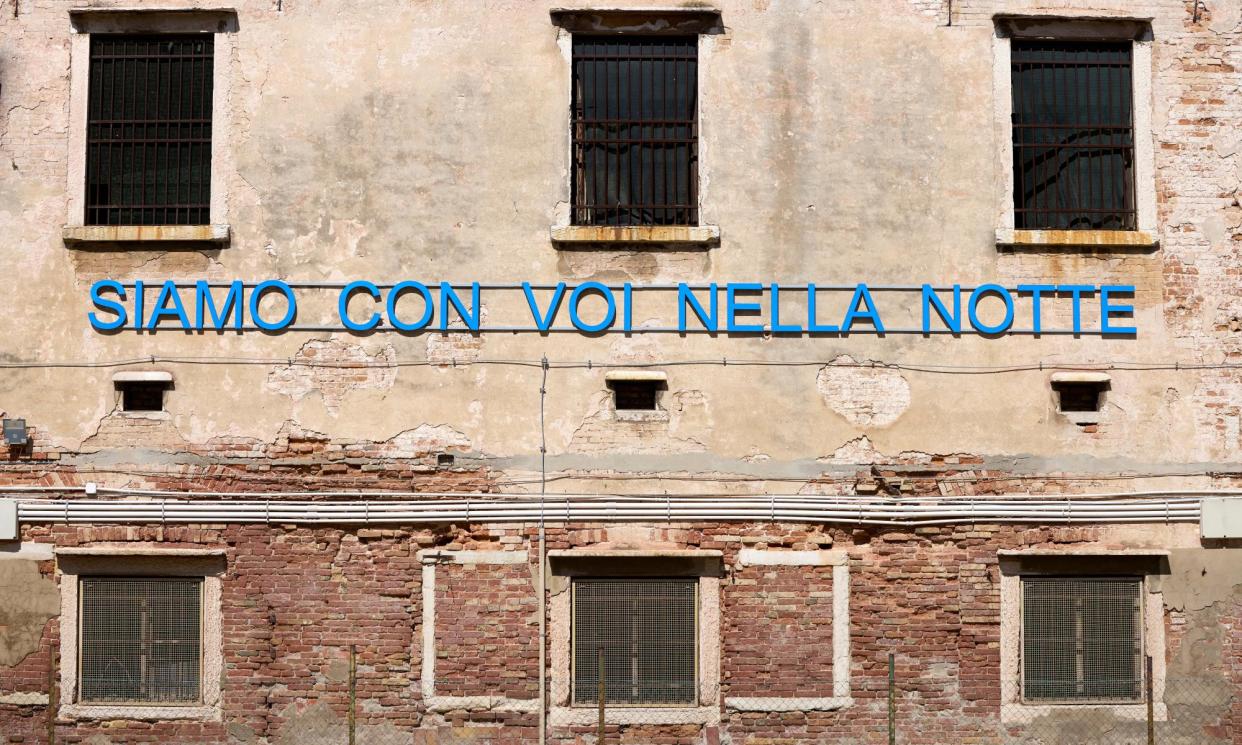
<point x="777" y="638"/>
<point x="296" y="599"/>
<point x="487" y="632"/>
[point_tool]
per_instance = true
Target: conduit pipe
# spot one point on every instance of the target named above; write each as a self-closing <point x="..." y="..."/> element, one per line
<point x="593" y="508"/>
<point x="493" y="496"/>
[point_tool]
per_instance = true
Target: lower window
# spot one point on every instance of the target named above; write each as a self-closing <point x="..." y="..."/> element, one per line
<point x="643" y="632"/>
<point x="1082" y="639"/>
<point x="140" y="640"/>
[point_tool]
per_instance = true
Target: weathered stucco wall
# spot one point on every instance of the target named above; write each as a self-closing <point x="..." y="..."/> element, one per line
<point x="840" y="143"/>
<point x="418" y="139"/>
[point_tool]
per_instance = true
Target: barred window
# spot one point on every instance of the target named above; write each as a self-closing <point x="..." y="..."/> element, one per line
<point x="140" y="640"/>
<point x="1073" y="135"/>
<point x="646" y="629"/>
<point x="635" y="130"/>
<point x="148" y="136"/>
<point x="1082" y="639"/>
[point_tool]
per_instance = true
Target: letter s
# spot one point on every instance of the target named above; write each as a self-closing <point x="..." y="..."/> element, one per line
<point x="111" y="306"/>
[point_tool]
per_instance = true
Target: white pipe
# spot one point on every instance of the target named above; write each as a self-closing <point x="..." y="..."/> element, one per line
<point x="594" y="508"/>
<point x="484" y="497"/>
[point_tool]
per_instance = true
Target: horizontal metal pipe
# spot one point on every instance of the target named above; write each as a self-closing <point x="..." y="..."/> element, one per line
<point x="799" y="508"/>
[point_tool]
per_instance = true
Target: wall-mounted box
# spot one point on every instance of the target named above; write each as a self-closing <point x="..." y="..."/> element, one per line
<point x="8" y="519"/>
<point x="1221" y="518"/>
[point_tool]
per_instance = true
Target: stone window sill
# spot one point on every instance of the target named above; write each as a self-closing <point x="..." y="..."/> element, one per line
<point x="1077" y="238"/>
<point x="118" y="711"/>
<point x="1022" y="712"/>
<point x="75" y="235"/>
<point x="695" y="235"/>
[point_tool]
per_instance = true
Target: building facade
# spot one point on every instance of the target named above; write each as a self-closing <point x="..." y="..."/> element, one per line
<point x="770" y="371"/>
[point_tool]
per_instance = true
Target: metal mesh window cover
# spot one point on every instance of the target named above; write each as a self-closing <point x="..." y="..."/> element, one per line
<point x="140" y="640"/>
<point x="635" y="130"/>
<point x="1082" y="639"/>
<point x="647" y="629"/>
<point x="1073" y="135"/>
<point x="148" y="133"/>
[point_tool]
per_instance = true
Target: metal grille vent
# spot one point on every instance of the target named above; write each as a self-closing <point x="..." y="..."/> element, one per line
<point x="646" y="629"/>
<point x="140" y="639"/>
<point x="635" y="132"/>
<point x="148" y="135"/>
<point x="1082" y="639"/>
<point x="1073" y="135"/>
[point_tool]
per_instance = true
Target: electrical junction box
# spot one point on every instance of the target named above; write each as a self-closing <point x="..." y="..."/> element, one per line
<point x="8" y="519"/>
<point x="1220" y="518"/>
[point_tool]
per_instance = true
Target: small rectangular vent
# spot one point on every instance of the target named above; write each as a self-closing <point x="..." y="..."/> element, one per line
<point x="142" y="396"/>
<point x="1080" y="396"/>
<point x="635" y="395"/>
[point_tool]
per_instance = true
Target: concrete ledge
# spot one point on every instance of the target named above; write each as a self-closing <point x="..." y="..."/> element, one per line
<point x="654" y="376"/>
<point x="1078" y="238"/>
<point x="1024" y="713"/>
<point x="74" y="235"/>
<point x="586" y="716"/>
<point x="142" y="376"/>
<point x="27" y="550"/>
<point x="137" y="551"/>
<point x="137" y="711"/>
<point x="830" y="703"/>
<point x="24" y="698"/>
<point x="684" y="234"/>
<point x="1080" y="376"/>
<point x="443" y="704"/>
<point x="762" y="557"/>
<point x="569" y="553"/>
<point x="1019" y="552"/>
<point x="431" y="555"/>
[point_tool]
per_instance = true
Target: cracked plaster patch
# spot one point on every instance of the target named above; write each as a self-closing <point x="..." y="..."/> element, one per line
<point x="350" y="367"/>
<point x="865" y="396"/>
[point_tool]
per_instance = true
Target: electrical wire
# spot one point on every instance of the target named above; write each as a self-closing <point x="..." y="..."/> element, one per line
<point x="936" y="368"/>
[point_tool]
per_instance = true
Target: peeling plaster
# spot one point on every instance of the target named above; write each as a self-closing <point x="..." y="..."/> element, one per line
<point x="866" y="397"/>
<point x="335" y="382"/>
<point x="30" y="601"/>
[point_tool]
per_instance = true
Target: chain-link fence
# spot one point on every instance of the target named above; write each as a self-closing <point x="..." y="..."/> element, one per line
<point x="345" y="706"/>
<point x="1144" y="709"/>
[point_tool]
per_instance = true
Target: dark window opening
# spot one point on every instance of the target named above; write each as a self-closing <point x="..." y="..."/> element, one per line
<point x="1080" y="396"/>
<point x="140" y="639"/>
<point x="1073" y="135"/>
<point x="644" y="630"/>
<point x="142" y="396"/>
<point x="1082" y="639"/>
<point x="635" y="395"/>
<point x="444" y="460"/>
<point x="635" y="131"/>
<point x="148" y="132"/>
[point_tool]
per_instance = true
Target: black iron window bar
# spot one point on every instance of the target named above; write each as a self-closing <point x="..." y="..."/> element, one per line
<point x="1073" y="135"/>
<point x="635" y="130"/>
<point x="148" y="135"/>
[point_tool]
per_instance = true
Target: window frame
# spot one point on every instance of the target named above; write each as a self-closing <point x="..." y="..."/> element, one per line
<point x="705" y="25"/>
<point x="1136" y="31"/>
<point x="573" y="642"/>
<point x="172" y="139"/>
<point x="1026" y="134"/>
<point x="86" y="22"/>
<point x="1148" y="563"/>
<point x="585" y="171"/>
<point x="1140" y="581"/>
<point x="140" y="560"/>
<point x="202" y="627"/>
